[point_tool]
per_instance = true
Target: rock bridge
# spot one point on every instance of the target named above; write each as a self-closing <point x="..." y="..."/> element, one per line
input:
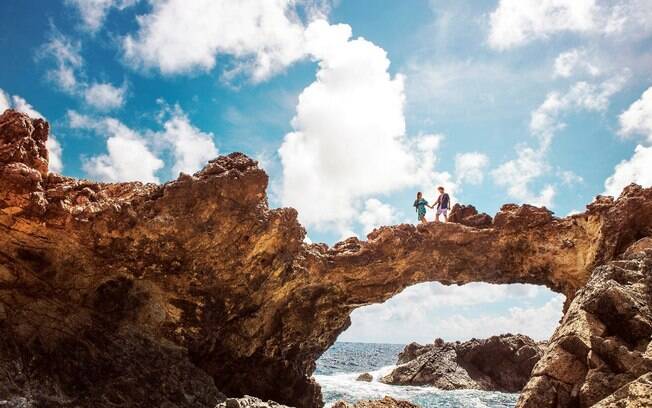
<point x="137" y="294"/>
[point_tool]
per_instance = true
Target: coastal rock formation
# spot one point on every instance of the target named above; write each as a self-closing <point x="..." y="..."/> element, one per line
<point x="387" y="402"/>
<point x="499" y="363"/>
<point x="249" y="402"/>
<point x="468" y="215"/>
<point x="151" y="295"/>
<point x="601" y="353"/>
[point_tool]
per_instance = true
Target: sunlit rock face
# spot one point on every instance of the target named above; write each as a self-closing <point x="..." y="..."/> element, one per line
<point x="147" y="295"/>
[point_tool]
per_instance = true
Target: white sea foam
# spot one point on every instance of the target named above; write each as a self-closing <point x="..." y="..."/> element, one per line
<point x="344" y="386"/>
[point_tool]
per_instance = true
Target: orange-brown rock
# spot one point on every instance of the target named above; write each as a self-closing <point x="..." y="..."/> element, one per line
<point x="151" y="295"/>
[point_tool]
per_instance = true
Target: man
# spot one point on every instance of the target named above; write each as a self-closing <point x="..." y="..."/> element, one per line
<point x="443" y="204"/>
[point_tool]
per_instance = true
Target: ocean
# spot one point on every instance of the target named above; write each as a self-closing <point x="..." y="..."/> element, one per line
<point x="340" y="365"/>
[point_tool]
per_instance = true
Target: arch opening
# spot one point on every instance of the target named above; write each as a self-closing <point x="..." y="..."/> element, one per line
<point x="445" y="328"/>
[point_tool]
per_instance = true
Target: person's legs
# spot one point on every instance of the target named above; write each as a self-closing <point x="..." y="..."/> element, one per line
<point x="445" y="214"/>
<point x="422" y="218"/>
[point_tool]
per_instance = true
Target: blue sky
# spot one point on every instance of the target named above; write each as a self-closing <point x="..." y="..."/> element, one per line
<point x="350" y="106"/>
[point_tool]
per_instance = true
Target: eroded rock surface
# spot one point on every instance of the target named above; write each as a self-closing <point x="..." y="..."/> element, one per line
<point x="387" y="402"/>
<point x="199" y="275"/>
<point x="601" y="352"/>
<point x="499" y="363"/>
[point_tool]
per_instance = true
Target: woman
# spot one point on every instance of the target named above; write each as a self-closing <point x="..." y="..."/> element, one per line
<point x="420" y="205"/>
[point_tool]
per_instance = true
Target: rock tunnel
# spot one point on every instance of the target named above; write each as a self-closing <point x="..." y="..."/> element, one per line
<point x="135" y="294"/>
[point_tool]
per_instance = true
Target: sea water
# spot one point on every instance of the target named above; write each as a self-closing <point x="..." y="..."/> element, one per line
<point x="340" y="365"/>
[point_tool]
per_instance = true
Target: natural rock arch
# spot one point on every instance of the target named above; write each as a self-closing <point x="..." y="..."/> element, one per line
<point x="120" y="291"/>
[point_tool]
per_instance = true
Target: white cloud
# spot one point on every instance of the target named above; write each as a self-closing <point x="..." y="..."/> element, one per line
<point x="93" y="12"/>
<point x="637" y="119"/>
<point x="103" y="96"/>
<point x="135" y="156"/>
<point x="637" y="169"/>
<point x="470" y="167"/>
<point x="349" y="138"/>
<point x="19" y="104"/>
<point x="545" y="120"/>
<point x="536" y="322"/>
<point x="129" y="156"/>
<point x="66" y="55"/>
<point x="4" y="101"/>
<point x="517" y="22"/>
<point x="191" y="147"/>
<point x="54" y="154"/>
<point x="178" y="36"/>
<point x="574" y="61"/>
<point x="569" y="178"/>
<point x="518" y="174"/>
<point x="376" y="214"/>
<point x="69" y="74"/>
<point x="426" y="311"/>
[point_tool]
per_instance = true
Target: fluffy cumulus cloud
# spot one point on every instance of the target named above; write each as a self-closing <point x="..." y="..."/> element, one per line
<point x="470" y="167"/>
<point x="55" y="151"/>
<point x="376" y="214"/>
<point x="129" y="155"/>
<point x="190" y="147"/>
<point x="426" y="311"/>
<point x="103" y="96"/>
<point x="637" y="169"/>
<point x="137" y="155"/>
<point x="517" y="22"/>
<point x="349" y="132"/>
<point x="518" y="175"/>
<point x="635" y="121"/>
<point x="93" y="12"/>
<point x="179" y="36"/>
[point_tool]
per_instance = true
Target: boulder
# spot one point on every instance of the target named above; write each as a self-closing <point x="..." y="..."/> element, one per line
<point x="500" y="363"/>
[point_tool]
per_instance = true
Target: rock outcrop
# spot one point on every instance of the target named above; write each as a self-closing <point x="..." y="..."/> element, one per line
<point x="601" y="353"/>
<point x="387" y="402"/>
<point x="499" y="363"/>
<point x="366" y="377"/>
<point x="143" y="294"/>
<point x="248" y="402"/>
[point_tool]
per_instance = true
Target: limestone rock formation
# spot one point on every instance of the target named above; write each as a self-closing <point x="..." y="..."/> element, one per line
<point x="499" y="363"/>
<point x="147" y="295"/>
<point x="601" y="353"/>
<point x="248" y="402"/>
<point x="387" y="402"/>
<point x="468" y="215"/>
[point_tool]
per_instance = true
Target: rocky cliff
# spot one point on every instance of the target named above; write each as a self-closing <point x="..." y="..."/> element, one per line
<point x="148" y="295"/>
<point x="499" y="363"/>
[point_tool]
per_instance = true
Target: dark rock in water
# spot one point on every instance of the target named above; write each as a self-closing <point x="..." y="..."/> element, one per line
<point x="132" y="294"/>
<point x="500" y="363"/>
<point x="365" y="377"/>
<point x="248" y="402"/>
<point x="387" y="402"/>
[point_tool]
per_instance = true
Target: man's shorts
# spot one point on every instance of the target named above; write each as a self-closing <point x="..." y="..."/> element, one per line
<point x="443" y="211"/>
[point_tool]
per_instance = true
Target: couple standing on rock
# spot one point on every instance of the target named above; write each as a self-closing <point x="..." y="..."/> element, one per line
<point x="443" y="204"/>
